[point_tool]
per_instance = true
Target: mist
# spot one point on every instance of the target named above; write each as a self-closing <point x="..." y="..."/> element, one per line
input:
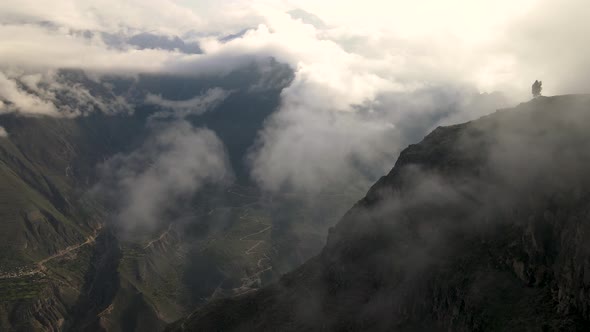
<point x="471" y="210"/>
<point x="365" y="84"/>
<point x="211" y="149"/>
<point x="183" y="108"/>
<point x="172" y="165"/>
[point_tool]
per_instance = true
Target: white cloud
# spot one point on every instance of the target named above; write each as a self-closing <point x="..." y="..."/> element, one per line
<point x="37" y="48"/>
<point x="182" y="108"/>
<point x="16" y="98"/>
<point x="350" y="105"/>
<point x="172" y="165"/>
<point x="384" y="43"/>
<point x="309" y="149"/>
<point x="103" y="15"/>
<point x="49" y="93"/>
<point x="549" y="43"/>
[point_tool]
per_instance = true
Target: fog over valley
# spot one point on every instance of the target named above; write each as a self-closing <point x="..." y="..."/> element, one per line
<point x="192" y="165"/>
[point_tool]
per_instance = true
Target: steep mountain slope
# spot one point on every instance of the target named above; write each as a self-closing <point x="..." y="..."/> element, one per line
<point x="53" y="240"/>
<point x="482" y="226"/>
<point x="63" y="262"/>
<point x="60" y="266"/>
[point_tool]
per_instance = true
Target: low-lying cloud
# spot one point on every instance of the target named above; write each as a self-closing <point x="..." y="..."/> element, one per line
<point x="195" y="106"/>
<point x="350" y="150"/>
<point x="369" y="78"/>
<point x="52" y="93"/>
<point x="170" y="167"/>
<point x="15" y="98"/>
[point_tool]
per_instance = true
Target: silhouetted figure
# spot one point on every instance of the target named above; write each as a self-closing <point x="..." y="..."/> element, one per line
<point x="537" y="87"/>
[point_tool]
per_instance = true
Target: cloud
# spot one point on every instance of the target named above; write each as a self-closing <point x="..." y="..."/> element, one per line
<point x="369" y="78"/>
<point x="103" y="15"/>
<point x="307" y="149"/>
<point x="171" y="166"/>
<point x="104" y="35"/>
<point x="26" y="46"/>
<point x="3" y="132"/>
<point x="398" y="85"/>
<point x="54" y="93"/>
<point x="549" y="43"/>
<point x="15" y="98"/>
<point x="385" y="44"/>
<point x="193" y="106"/>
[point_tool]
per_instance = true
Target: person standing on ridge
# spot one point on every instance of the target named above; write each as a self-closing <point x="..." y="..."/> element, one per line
<point x="537" y="87"/>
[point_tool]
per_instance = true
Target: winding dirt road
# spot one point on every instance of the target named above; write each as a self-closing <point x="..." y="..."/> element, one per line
<point x="259" y="242"/>
<point x="40" y="265"/>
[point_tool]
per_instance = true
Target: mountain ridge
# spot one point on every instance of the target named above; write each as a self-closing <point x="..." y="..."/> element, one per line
<point x="63" y="239"/>
<point x="479" y="227"/>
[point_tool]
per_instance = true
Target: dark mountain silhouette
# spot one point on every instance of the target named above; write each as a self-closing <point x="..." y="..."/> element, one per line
<point x="148" y="40"/>
<point x="482" y="226"/>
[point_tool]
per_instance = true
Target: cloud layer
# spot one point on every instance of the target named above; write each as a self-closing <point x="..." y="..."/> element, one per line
<point x="370" y="78"/>
<point x="53" y="93"/>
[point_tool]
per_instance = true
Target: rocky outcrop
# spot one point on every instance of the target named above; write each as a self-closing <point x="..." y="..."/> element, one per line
<point x="63" y="291"/>
<point x="482" y="226"/>
<point x="45" y="313"/>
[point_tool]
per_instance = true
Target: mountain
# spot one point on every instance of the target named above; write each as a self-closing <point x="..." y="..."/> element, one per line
<point x="482" y="226"/>
<point x="148" y="40"/>
<point x="66" y="260"/>
<point x="54" y="245"/>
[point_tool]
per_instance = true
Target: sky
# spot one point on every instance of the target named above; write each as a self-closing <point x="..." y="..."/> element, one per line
<point x="495" y="45"/>
<point x="367" y="73"/>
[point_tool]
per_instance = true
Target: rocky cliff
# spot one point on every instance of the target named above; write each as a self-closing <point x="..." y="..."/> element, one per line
<point x="482" y="226"/>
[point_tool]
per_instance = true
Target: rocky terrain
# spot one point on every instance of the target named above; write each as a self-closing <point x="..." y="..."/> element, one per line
<point x="65" y="261"/>
<point x="482" y="226"/>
